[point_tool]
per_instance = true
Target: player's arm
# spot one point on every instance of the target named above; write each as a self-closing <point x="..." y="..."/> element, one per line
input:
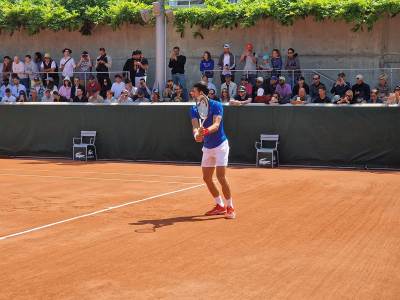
<point x="213" y="128"/>
<point x="196" y="126"/>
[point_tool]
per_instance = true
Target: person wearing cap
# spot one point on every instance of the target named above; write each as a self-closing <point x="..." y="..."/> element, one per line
<point x="315" y="86"/>
<point x="244" y="81"/>
<point x="374" y="97"/>
<point x="48" y="96"/>
<point x="37" y="86"/>
<point x="340" y="87"/>
<point x="383" y="87"/>
<point x="30" y="69"/>
<point x="209" y="84"/>
<point x="227" y="63"/>
<point x="177" y="63"/>
<point x="84" y="67"/>
<point x="207" y="66"/>
<point x="118" y="86"/>
<point x="259" y="91"/>
<point x="292" y="65"/>
<point x="49" y="69"/>
<point x="155" y="96"/>
<point x="80" y="96"/>
<point x="65" y="89"/>
<point x="271" y="85"/>
<point x="361" y="90"/>
<point x="242" y="98"/>
<point x="249" y="58"/>
<point x="284" y="90"/>
<point x="229" y="85"/>
<point x="103" y="64"/>
<point x="137" y="67"/>
<point x="17" y="87"/>
<point x="8" y="97"/>
<point x="67" y="63"/>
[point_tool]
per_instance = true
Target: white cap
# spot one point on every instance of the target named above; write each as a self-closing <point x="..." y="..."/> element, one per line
<point x="359" y="77"/>
<point x="260" y="79"/>
<point x="226" y="46"/>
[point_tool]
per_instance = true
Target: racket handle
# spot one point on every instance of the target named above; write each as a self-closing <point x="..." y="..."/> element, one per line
<point x="201" y="122"/>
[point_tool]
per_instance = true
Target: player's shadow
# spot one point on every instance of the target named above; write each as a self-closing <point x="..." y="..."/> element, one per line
<point x="159" y="223"/>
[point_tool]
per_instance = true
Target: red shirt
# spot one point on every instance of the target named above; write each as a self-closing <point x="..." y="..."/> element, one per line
<point x="92" y="87"/>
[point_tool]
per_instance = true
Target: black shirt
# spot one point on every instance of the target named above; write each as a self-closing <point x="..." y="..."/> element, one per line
<point x="319" y="100"/>
<point x="177" y="66"/>
<point x="135" y="71"/>
<point x="83" y="99"/>
<point x="238" y="98"/>
<point x="361" y="92"/>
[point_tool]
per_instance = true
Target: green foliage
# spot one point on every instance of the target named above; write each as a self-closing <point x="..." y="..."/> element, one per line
<point x="84" y="15"/>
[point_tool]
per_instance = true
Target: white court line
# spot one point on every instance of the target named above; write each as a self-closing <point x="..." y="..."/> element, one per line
<point x="95" y="178"/>
<point x="111" y="173"/>
<point x="97" y="212"/>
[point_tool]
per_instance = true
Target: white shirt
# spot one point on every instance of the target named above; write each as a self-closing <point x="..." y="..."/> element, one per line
<point x="19" y="69"/>
<point x="8" y="99"/>
<point x="232" y="88"/>
<point x="16" y="89"/>
<point x="69" y="65"/>
<point x="117" y="88"/>
<point x="45" y="99"/>
<point x="31" y="69"/>
<point x="3" y="90"/>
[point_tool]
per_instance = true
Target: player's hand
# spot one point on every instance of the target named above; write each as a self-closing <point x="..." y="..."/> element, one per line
<point x="198" y="138"/>
<point x="201" y="131"/>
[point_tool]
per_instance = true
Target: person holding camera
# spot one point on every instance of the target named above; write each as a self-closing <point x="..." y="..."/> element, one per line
<point x="137" y="67"/>
<point x="84" y="67"/>
<point x="103" y="64"/>
<point x="227" y="63"/>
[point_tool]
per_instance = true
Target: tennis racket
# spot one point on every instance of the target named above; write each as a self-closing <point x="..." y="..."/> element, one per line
<point x="202" y="109"/>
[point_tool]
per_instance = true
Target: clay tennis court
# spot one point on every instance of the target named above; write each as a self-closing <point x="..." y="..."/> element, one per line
<point x="137" y="231"/>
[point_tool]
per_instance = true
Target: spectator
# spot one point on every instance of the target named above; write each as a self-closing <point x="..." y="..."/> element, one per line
<point x="374" y="97"/>
<point x="50" y="69"/>
<point x="96" y="98"/>
<point x="207" y="83"/>
<point x="110" y="97"/>
<point x="229" y="85"/>
<point x="22" y="97"/>
<point x="348" y="98"/>
<point x="137" y="67"/>
<point x="8" y="97"/>
<point x="300" y="84"/>
<point x="242" y="98"/>
<point x="322" y="97"/>
<point x="361" y="90"/>
<point x="131" y="89"/>
<point x="103" y="64"/>
<point x="275" y="99"/>
<point x="92" y="86"/>
<point x="292" y="65"/>
<point x="38" y="59"/>
<point x="16" y="88"/>
<point x="225" y="97"/>
<point x="30" y="69"/>
<point x="80" y="96"/>
<point x="394" y="98"/>
<point x="259" y="88"/>
<point x="34" y="96"/>
<point x="50" y="85"/>
<point x="212" y="94"/>
<point x="227" y="63"/>
<point x="340" y="87"/>
<point x="207" y="66"/>
<point x="383" y="88"/>
<point x="301" y="97"/>
<point x="47" y="97"/>
<point x="177" y="96"/>
<point x="18" y="68"/>
<point x="249" y="58"/>
<point x="65" y="89"/>
<point x="58" y="98"/>
<point x="144" y="88"/>
<point x="284" y="90"/>
<point x="67" y="64"/>
<point x="118" y="86"/>
<point x="105" y="86"/>
<point x="124" y="97"/>
<point x="141" y="97"/>
<point x="38" y="87"/>
<point x="177" y="64"/>
<point x="271" y="85"/>
<point x="6" y="68"/>
<point x="4" y="86"/>
<point x="155" y="96"/>
<point x="265" y="65"/>
<point x="276" y="62"/>
<point x="75" y="86"/>
<point x="169" y="90"/>
<point x="315" y="86"/>
<point x="244" y="81"/>
<point x="84" y="67"/>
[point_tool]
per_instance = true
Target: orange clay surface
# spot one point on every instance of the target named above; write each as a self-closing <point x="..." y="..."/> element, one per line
<point x="299" y="234"/>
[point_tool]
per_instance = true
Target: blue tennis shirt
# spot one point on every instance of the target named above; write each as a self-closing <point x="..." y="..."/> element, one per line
<point x="215" y="109"/>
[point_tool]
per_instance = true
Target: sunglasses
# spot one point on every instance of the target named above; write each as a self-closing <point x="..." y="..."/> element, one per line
<point x="315" y="78"/>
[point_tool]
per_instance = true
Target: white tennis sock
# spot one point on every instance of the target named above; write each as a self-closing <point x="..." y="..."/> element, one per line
<point x="229" y="202"/>
<point x="219" y="201"/>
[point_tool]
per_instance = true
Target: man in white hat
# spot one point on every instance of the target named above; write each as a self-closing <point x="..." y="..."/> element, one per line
<point x="227" y="63"/>
<point x="361" y="90"/>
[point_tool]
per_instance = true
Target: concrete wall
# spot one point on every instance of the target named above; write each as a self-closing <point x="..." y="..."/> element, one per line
<point x="319" y="44"/>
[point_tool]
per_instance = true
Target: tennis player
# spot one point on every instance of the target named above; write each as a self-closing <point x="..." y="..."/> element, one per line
<point x="215" y="150"/>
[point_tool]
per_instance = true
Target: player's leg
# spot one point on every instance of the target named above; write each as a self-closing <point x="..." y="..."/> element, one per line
<point x="219" y="208"/>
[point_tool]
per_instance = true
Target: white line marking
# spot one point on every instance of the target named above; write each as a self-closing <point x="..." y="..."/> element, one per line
<point x="97" y="212"/>
<point x="110" y="173"/>
<point x="96" y="178"/>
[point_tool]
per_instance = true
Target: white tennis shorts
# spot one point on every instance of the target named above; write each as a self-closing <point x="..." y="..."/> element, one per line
<point x="216" y="157"/>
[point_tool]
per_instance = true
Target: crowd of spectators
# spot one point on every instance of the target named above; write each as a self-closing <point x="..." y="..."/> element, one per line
<point x="265" y="78"/>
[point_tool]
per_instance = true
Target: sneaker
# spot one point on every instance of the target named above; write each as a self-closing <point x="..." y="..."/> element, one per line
<point x="217" y="210"/>
<point x="230" y="213"/>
